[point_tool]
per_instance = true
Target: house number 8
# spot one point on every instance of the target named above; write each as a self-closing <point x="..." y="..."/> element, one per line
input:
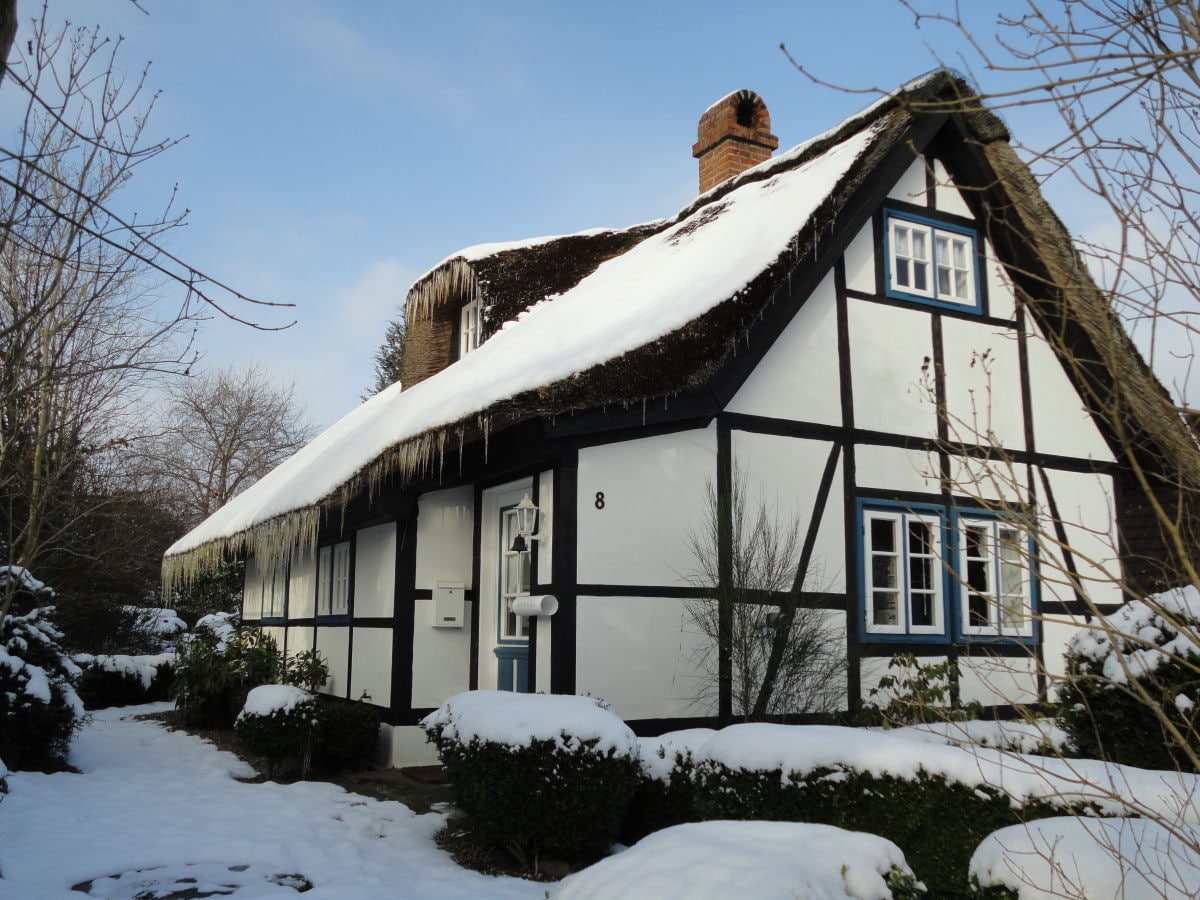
<point x="599" y="499"/>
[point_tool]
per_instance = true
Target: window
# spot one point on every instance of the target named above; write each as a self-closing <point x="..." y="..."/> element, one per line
<point x="903" y="572"/>
<point x="274" y="594"/>
<point x="994" y="572"/>
<point x="514" y="577"/>
<point x="931" y="262"/>
<point x="333" y="580"/>
<point x="915" y="568"/>
<point x="469" y="326"/>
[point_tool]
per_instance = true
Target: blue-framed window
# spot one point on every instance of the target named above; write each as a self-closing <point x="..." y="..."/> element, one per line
<point x="933" y="573"/>
<point x="333" y="580"/>
<point x="931" y="262"/>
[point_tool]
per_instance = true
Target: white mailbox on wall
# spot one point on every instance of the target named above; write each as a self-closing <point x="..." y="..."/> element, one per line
<point x="449" y="604"/>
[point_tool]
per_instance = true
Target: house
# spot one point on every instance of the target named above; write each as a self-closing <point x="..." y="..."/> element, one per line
<point x="885" y="329"/>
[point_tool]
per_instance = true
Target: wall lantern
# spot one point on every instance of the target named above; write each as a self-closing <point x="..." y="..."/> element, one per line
<point x="527" y="519"/>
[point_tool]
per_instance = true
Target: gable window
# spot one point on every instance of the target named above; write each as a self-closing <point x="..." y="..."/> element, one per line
<point x="469" y="327"/>
<point x="902" y="552"/>
<point x="994" y="571"/>
<point x="931" y="262"/>
<point x="333" y="580"/>
<point x="916" y="569"/>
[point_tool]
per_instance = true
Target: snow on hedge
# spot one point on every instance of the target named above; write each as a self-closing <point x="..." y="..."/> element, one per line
<point x="658" y="753"/>
<point x="143" y="668"/>
<point x="24" y="580"/>
<point x="1021" y="736"/>
<point x="161" y="622"/>
<point x="800" y="749"/>
<point x="516" y="720"/>
<point x="1142" y="635"/>
<point x="1135" y="859"/>
<point x="220" y="625"/>
<point x="267" y="699"/>
<point x="763" y="860"/>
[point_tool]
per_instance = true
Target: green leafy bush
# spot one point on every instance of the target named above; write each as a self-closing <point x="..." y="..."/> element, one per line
<point x="278" y="723"/>
<point x="936" y="822"/>
<point x="39" y="707"/>
<point x="914" y="693"/>
<point x="213" y="675"/>
<point x="526" y="791"/>
<point x="1132" y="693"/>
<point x="347" y="734"/>
<point x="123" y="680"/>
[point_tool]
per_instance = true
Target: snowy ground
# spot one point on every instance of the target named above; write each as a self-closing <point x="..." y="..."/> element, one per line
<point x="150" y="798"/>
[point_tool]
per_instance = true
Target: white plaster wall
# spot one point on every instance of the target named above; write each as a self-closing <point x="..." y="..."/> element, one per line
<point x="897" y="469"/>
<point x="334" y="646"/>
<point x="444" y="525"/>
<point x="375" y="571"/>
<point x="1086" y="505"/>
<point x="372" y="665"/>
<point x="860" y="261"/>
<point x="302" y="586"/>
<point x="638" y="653"/>
<point x="654" y="492"/>
<point x="541" y="671"/>
<point x="1061" y="424"/>
<point x="545" y="530"/>
<point x="1056" y="632"/>
<point x="1002" y="303"/>
<point x="299" y="639"/>
<point x="785" y="474"/>
<point x="949" y="199"/>
<point x="911" y="186"/>
<point x="983" y="384"/>
<point x="798" y="377"/>
<point x="889" y="345"/>
<point x="441" y="658"/>
<point x="993" y="681"/>
<point x="989" y="482"/>
<point x="405" y="745"/>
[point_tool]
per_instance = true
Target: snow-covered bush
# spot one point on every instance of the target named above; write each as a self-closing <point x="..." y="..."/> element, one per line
<point x="278" y="722"/>
<point x="1133" y="683"/>
<point x="763" y="860"/>
<point x="935" y="802"/>
<point x="39" y="708"/>
<point x="120" y="680"/>
<point x="537" y="773"/>
<point x="347" y="734"/>
<point x="664" y="795"/>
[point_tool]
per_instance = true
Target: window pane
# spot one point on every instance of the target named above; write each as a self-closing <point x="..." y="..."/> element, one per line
<point x="920" y="246"/>
<point x="883" y="572"/>
<point x="977" y="575"/>
<point x="943" y="276"/>
<point x="884" y="608"/>
<point x="976" y="539"/>
<point x="920" y="572"/>
<point x="902" y="273"/>
<point x="901" y="234"/>
<point x="960" y="254"/>
<point x="921" y="609"/>
<point x="960" y="286"/>
<point x="883" y="535"/>
<point x="920" y="537"/>
<point x="977" y="610"/>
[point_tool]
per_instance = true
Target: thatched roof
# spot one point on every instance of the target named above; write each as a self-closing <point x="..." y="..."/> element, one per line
<point x="583" y="321"/>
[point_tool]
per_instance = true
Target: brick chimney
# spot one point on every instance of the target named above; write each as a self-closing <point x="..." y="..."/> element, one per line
<point x="734" y="135"/>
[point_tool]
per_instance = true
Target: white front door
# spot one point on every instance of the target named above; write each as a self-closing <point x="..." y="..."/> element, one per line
<point x="504" y="574"/>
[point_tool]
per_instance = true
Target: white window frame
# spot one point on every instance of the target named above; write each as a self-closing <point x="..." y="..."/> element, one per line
<point x="470" y="323"/>
<point x="903" y="571"/>
<point x="274" y="593"/>
<point x="512" y="626"/>
<point x="333" y="579"/>
<point x="999" y="556"/>
<point x="949" y="259"/>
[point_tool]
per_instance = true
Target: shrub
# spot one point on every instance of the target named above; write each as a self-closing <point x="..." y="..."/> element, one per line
<point x="123" y="680"/>
<point x="1132" y="679"/>
<point x="537" y="773"/>
<point x="214" y="675"/>
<point x="347" y="734"/>
<point x="39" y="707"/>
<point x="665" y="793"/>
<point x="913" y="693"/>
<point x="278" y="722"/>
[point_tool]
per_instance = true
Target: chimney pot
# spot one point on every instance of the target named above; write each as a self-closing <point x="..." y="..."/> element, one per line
<point x="734" y="135"/>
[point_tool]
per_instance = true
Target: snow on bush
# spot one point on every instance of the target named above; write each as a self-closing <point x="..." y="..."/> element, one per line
<point x="278" y="721"/>
<point x="120" y="680"/>
<point x="23" y="580"/>
<point x="267" y="699"/>
<point x="537" y="773"/>
<point x="221" y="625"/>
<point x="659" y="754"/>
<point x="763" y="860"/>
<point x="1132" y="684"/>
<point x="1136" y="859"/>
<point x="1040" y="736"/>
<point x="139" y="668"/>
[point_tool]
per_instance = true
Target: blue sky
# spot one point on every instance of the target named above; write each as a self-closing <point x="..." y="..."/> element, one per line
<point x="335" y="151"/>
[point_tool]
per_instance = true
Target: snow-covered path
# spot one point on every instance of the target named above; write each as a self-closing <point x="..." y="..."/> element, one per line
<point x="151" y="798"/>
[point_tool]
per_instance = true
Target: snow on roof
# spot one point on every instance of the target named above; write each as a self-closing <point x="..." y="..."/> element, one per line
<point x="661" y="284"/>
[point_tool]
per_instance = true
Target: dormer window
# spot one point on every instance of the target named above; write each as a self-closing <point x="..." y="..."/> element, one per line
<point x="469" y="323"/>
<point x="931" y="262"/>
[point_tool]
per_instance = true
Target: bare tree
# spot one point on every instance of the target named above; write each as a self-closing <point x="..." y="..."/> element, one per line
<point x="221" y="432"/>
<point x="787" y="655"/>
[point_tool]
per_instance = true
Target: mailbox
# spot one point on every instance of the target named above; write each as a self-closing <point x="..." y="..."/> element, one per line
<point x="449" y="604"/>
